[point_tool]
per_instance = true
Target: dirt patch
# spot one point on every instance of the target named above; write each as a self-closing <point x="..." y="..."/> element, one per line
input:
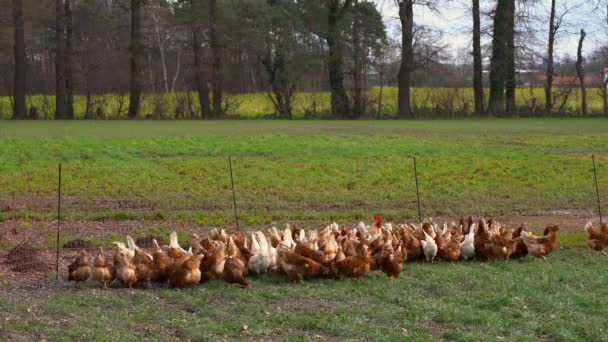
<point x="147" y="241"/>
<point x="79" y="245"/>
<point x="24" y="258"/>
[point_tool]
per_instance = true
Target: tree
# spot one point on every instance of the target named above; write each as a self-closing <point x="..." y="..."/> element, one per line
<point x="580" y="72"/>
<point x="199" y="75"/>
<point x="68" y="71"/>
<point x="60" y="61"/>
<point x="357" y="63"/>
<point x="19" y="109"/>
<point x="336" y="9"/>
<point x="135" y="58"/>
<point x="477" y="60"/>
<point x="550" y="69"/>
<point x="217" y="72"/>
<point x="406" y="16"/>
<point x="510" y="78"/>
<point x="498" y="67"/>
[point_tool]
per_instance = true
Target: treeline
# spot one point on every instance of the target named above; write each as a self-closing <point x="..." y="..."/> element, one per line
<point x="86" y="48"/>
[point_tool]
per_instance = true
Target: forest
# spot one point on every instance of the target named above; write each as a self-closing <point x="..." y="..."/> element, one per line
<point x="286" y="59"/>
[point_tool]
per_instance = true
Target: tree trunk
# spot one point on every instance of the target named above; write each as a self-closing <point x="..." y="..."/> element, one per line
<point x="19" y="109"/>
<point x="497" y="67"/>
<point x="358" y="91"/>
<point x="580" y="72"/>
<point x="136" y="50"/>
<point x="199" y="75"/>
<point x="406" y="16"/>
<point x="550" y="67"/>
<point x="510" y="77"/>
<point x="60" y="58"/>
<point x="69" y="80"/>
<point x="217" y="73"/>
<point x="477" y="61"/>
<point x="340" y="106"/>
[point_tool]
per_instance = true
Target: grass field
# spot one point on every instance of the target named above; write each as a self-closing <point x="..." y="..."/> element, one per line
<point x="563" y="299"/>
<point x="312" y="171"/>
<point x="427" y="103"/>
<point x="303" y="170"/>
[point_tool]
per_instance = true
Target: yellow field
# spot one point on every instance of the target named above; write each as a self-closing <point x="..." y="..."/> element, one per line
<point x="427" y="102"/>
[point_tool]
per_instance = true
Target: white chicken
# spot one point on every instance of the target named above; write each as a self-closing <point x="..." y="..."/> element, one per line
<point x="260" y="261"/>
<point x="467" y="246"/>
<point x="429" y="247"/>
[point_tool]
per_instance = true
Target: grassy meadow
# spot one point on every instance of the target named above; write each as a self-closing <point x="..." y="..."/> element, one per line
<point x="314" y="171"/>
<point x="427" y="103"/>
<point x="302" y="170"/>
<point x="563" y="299"/>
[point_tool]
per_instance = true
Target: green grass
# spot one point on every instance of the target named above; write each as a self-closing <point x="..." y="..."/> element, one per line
<point x="307" y="170"/>
<point x="564" y="298"/>
<point x="427" y="102"/>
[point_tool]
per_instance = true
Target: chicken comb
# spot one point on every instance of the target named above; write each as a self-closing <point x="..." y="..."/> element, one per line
<point x="378" y="219"/>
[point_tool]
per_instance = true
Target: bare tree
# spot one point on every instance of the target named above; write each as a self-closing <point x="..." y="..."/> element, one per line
<point x="69" y="75"/>
<point x="19" y="109"/>
<point x="510" y="80"/>
<point x="580" y="72"/>
<point x="136" y="51"/>
<point x="406" y="16"/>
<point x="498" y="68"/>
<point x="60" y="59"/>
<point x="340" y="106"/>
<point x="217" y="72"/>
<point x="357" y="65"/>
<point x="477" y="60"/>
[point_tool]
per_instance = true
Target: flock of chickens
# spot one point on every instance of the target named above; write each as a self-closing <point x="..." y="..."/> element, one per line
<point x="331" y="252"/>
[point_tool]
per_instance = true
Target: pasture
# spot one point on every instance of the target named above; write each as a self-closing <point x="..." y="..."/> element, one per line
<point x="150" y="177"/>
<point x="427" y="103"/>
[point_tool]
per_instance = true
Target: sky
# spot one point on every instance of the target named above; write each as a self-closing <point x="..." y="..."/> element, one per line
<point x="454" y="20"/>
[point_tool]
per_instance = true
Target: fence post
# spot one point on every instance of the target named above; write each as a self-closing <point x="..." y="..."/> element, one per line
<point x="417" y="191"/>
<point x="58" y="222"/>
<point x="236" y="214"/>
<point x="597" y="189"/>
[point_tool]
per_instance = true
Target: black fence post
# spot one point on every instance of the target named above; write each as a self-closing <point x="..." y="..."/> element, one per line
<point x="58" y="222"/>
<point x="597" y="189"/>
<point x="236" y="214"/>
<point x="417" y="191"/>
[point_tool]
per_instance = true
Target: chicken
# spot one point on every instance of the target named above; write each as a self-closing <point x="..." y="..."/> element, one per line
<point x="298" y="267"/>
<point x="540" y="247"/>
<point x="429" y="247"/>
<point x="520" y="248"/>
<point x="392" y="263"/>
<point x="329" y="247"/>
<point x="258" y="261"/>
<point x="467" y="246"/>
<point x="213" y="266"/>
<point x="356" y="266"/>
<point x="235" y="269"/>
<point x="80" y="269"/>
<point x="144" y="263"/>
<point x="125" y="268"/>
<point x="103" y="271"/>
<point x="188" y="274"/>
<point x="447" y="249"/>
<point x="177" y="254"/>
<point x="161" y="262"/>
<point x="596" y="241"/>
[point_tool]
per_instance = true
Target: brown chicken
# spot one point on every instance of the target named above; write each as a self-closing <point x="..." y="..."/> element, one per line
<point x="447" y="250"/>
<point x="80" y="269"/>
<point x="597" y="241"/>
<point x="125" y="268"/>
<point x="188" y="274"/>
<point x="520" y="247"/>
<point x="103" y="271"/>
<point x="298" y="267"/>
<point x="161" y="262"/>
<point x="357" y="266"/>
<point x="213" y="266"/>
<point x="235" y="269"/>
<point x="392" y="263"/>
<point x="540" y="247"/>
<point x="411" y="244"/>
